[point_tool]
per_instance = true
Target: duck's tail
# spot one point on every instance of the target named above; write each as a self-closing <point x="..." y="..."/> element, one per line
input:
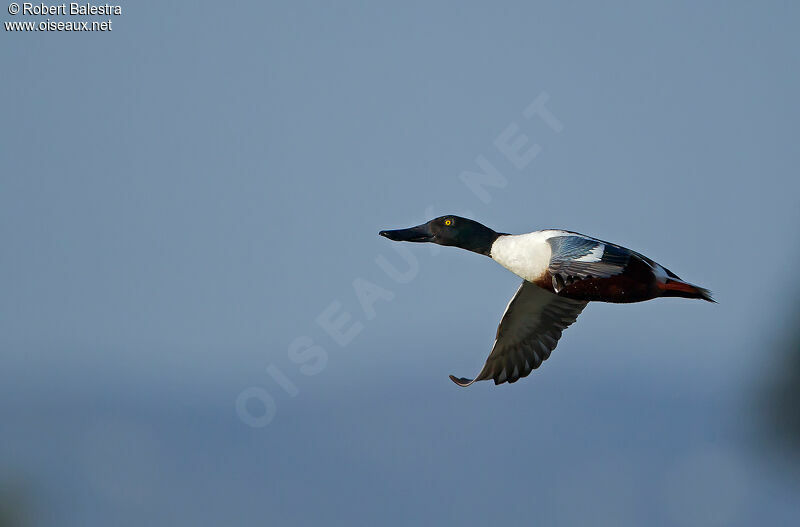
<point x="675" y="287"/>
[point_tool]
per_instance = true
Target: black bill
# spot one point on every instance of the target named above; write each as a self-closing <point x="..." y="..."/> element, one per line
<point x="420" y="233"/>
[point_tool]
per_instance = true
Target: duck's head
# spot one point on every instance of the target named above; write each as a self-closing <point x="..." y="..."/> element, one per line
<point x="448" y="230"/>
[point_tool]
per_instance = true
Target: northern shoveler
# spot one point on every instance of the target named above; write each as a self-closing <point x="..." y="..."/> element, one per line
<point x="562" y="271"/>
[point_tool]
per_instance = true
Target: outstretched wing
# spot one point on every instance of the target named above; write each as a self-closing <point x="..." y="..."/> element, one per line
<point x="528" y="332"/>
<point x="575" y="257"/>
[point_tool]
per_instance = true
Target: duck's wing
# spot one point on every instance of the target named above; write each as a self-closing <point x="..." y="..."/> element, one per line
<point x="577" y="257"/>
<point x="528" y="332"/>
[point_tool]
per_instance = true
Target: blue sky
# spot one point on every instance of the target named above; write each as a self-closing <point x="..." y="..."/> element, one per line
<point x="184" y="196"/>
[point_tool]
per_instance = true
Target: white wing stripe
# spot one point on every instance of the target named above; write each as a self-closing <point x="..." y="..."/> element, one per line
<point x="595" y="255"/>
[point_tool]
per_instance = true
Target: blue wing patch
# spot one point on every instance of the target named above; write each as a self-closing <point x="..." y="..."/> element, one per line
<point x="577" y="258"/>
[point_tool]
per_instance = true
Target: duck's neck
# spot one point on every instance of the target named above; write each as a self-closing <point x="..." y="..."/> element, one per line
<point x="481" y="241"/>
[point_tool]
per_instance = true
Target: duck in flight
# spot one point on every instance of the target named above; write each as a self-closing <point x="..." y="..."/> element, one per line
<point x="561" y="272"/>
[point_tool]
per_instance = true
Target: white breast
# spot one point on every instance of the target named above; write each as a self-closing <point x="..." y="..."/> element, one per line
<point x="525" y="255"/>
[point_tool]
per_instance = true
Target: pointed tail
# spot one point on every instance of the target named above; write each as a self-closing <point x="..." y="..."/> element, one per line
<point x="675" y="287"/>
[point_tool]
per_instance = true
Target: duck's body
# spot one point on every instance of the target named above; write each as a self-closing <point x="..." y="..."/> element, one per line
<point x="562" y="271"/>
<point x="580" y="267"/>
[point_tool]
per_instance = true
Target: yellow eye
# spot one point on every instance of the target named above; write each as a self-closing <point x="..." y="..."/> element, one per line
<point x="448" y="222"/>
